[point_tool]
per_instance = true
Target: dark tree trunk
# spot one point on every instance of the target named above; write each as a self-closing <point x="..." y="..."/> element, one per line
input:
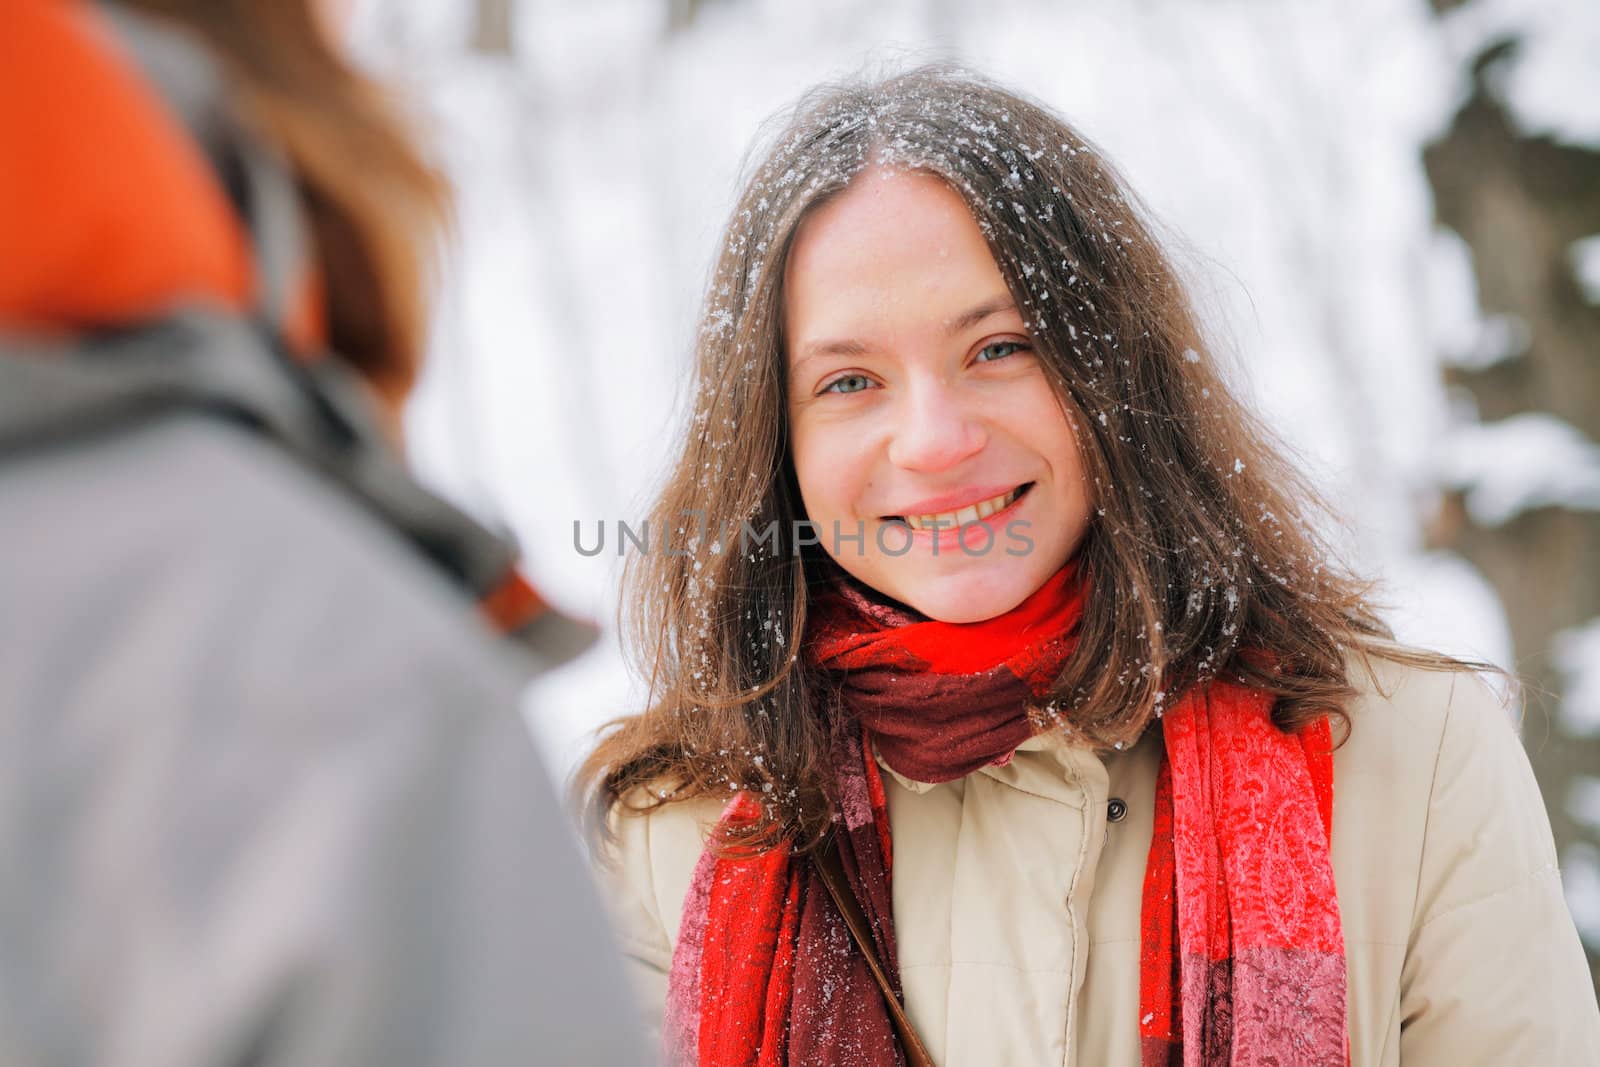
<point x="1519" y="202"/>
<point x="681" y="14"/>
<point x="494" y="27"/>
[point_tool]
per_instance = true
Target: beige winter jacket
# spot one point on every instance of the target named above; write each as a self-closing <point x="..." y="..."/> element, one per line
<point x="1016" y="896"/>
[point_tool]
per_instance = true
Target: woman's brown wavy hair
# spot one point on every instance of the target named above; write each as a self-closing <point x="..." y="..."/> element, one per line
<point x="1203" y="557"/>
<point x="375" y="205"/>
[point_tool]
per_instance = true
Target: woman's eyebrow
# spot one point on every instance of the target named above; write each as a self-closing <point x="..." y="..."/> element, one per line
<point x="967" y="319"/>
<point x="832" y="348"/>
<point x="993" y="306"/>
<point x="849" y="348"/>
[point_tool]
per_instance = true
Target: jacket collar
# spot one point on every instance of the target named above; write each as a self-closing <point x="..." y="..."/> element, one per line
<point x="206" y="361"/>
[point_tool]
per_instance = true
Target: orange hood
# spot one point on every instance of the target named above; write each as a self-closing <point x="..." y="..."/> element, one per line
<point x="109" y="212"/>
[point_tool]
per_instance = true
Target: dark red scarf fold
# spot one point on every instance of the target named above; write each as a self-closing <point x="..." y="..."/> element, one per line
<point x="1242" y="953"/>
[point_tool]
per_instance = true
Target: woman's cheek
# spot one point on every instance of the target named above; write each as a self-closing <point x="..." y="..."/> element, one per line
<point x="817" y="469"/>
<point x="828" y="452"/>
<point x="838" y="474"/>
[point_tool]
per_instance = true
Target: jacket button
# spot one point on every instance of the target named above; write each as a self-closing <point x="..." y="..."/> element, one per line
<point x="1117" y="810"/>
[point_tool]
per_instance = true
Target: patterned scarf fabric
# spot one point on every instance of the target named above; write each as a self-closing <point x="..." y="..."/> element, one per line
<point x="1242" y="954"/>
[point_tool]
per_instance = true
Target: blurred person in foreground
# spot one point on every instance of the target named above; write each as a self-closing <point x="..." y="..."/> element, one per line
<point x="265" y="793"/>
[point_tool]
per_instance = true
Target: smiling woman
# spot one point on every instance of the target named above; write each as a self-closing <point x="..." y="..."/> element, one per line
<point x="1102" y="771"/>
<point x="915" y="397"/>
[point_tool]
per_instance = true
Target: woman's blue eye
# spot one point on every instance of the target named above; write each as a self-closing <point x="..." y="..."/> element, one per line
<point x="998" y="350"/>
<point x="850" y="383"/>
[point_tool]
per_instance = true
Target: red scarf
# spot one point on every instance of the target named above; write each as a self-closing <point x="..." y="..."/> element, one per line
<point x="1242" y="952"/>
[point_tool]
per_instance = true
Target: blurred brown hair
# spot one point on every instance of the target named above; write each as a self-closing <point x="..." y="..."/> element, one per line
<point x="374" y="204"/>
<point x="1203" y="559"/>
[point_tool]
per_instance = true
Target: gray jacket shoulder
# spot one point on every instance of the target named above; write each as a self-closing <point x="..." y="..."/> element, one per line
<point x="197" y="528"/>
<point x="264" y="784"/>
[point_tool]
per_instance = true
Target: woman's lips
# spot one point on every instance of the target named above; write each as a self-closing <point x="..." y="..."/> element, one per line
<point x="952" y="536"/>
<point x="948" y="503"/>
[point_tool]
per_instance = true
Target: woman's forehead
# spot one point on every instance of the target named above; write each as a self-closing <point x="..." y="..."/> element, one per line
<point x="892" y="242"/>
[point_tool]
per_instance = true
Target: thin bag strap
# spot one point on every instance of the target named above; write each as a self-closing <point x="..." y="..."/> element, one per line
<point x="194" y="85"/>
<point x="831" y="869"/>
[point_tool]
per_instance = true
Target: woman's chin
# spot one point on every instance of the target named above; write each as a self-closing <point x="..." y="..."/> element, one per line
<point x="972" y="596"/>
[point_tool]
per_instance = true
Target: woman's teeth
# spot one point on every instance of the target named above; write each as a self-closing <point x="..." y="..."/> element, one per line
<point x="946" y="520"/>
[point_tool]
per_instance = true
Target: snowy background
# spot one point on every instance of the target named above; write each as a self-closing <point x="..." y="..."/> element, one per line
<point x="597" y="147"/>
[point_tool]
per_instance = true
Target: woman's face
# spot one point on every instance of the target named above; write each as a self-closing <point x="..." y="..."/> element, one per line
<point x="920" y="417"/>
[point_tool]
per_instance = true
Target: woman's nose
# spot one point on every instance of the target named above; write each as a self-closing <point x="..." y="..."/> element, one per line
<point x="935" y="429"/>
